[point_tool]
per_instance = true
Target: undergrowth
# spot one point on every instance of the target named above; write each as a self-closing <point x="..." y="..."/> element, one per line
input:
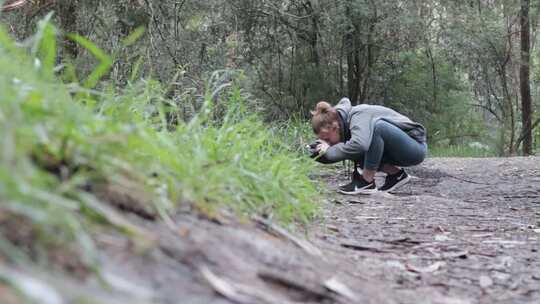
<point x="59" y="140"/>
<point x="461" y="151"/>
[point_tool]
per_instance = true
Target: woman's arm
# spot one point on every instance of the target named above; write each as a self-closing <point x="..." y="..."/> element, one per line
<point x="360" y="126"/>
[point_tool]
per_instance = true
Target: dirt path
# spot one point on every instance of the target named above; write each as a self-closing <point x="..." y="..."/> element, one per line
<point x="463" y="231"/>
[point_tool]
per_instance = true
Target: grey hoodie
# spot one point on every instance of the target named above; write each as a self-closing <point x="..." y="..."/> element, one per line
<point x="357" y="127"/>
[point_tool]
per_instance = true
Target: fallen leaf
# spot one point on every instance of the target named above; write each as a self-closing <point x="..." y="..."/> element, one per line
<point x="332" y="228"/>
<point x="441" y="229"/>
<point x="341" y="289"/>
<point x="453" y="255"/>
<point x="431" y="268"/>
<point x="366" y="217"/>
<point x="442" y="238"/>
<point x="395" y="264"/>
<point x="485" y="281"/>
<point x="501" y="276"/>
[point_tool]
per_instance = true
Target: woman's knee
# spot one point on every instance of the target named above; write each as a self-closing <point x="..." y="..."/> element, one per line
<point x="419" y="156"/>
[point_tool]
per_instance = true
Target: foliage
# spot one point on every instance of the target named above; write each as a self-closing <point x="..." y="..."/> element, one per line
<point x="435" y="60"/>
<point x="59" y="142"/>
<point x="462" y="151"/>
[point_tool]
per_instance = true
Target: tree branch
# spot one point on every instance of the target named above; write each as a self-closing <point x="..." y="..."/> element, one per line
<point x="13" y="5"/>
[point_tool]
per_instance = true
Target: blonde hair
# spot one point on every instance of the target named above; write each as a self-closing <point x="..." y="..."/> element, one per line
<point x="323" y="117"/>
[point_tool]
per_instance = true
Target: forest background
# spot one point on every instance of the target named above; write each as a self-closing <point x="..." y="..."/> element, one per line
<point x="468" y="70"/>
<point x="116" y="115"/>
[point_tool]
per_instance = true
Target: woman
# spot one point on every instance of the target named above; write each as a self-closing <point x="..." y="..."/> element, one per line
<point x="376" y="137"/>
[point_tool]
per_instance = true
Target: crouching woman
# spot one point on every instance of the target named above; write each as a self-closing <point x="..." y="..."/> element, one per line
<point x="374" y="137"/>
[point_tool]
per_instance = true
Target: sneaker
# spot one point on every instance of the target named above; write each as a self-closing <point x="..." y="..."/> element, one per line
<point x="358" y="186"/>
<point x="394" y="181"/>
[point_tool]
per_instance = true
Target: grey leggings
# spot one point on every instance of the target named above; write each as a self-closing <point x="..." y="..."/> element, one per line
<point x="391" y="145"/>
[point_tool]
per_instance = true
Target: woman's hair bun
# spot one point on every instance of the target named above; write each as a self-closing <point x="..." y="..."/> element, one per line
<point x="322" y="107"/>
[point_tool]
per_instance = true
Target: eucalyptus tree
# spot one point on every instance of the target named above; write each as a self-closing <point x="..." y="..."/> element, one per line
<point x="524" y="81"/>
<point x="486" y="37"/>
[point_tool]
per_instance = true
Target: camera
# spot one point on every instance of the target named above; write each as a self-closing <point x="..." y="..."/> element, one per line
<point x="312" y="148"/>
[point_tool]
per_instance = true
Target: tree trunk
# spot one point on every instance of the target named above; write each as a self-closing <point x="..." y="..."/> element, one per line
<point x="369" y="64"/>
<point x="67" y="13"/>
<point x="509" y="117"/>
<point x="353" y="56"/>
<point x="435" y="85"/>
<point x="314" y="33"/>
<point x="340" y="69"/>
<point x="524" y="71"/>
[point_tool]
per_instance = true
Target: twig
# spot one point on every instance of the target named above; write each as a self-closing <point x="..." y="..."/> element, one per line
<point x="466" y="180"/>
<point x="13" y="6"/>
<point x="303" y="244"/>
<point x="311" y="289"/>
<point x="223" y="287"/>
<point x="363" y="247"/>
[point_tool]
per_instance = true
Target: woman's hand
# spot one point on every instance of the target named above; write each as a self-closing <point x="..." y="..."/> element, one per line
<point x="322" y="147"/>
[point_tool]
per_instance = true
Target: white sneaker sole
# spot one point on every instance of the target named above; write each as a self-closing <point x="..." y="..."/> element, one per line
<point x="359" y="191"/>
<point x="399" y="184"/>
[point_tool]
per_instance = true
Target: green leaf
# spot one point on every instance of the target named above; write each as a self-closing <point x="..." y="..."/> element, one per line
<point x="47" y="49"/>
<point x="39" y="35"/>
<point x="136" y="68"/>
<point x="105" y="61"/>
<point x="5" y="42"/>
<point x="134" y="36"/>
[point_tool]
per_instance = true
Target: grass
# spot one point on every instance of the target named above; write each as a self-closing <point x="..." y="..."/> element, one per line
<point x="295" y="133"/>
<point x="58" y="141"/>
<point x="460" y="151"/>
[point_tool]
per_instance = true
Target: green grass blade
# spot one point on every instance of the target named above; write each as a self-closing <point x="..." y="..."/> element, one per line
<point x="105" y="61"/>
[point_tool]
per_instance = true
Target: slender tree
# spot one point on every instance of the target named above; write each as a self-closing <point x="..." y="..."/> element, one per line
<point x="525" y="89"/>
<point x="67" y="13"/>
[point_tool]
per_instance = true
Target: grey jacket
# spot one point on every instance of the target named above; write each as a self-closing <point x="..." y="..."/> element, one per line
<point x="357" y="124"/>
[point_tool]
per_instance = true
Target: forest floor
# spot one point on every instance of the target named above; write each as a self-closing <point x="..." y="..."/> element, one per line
<point x="462" y="231"/>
